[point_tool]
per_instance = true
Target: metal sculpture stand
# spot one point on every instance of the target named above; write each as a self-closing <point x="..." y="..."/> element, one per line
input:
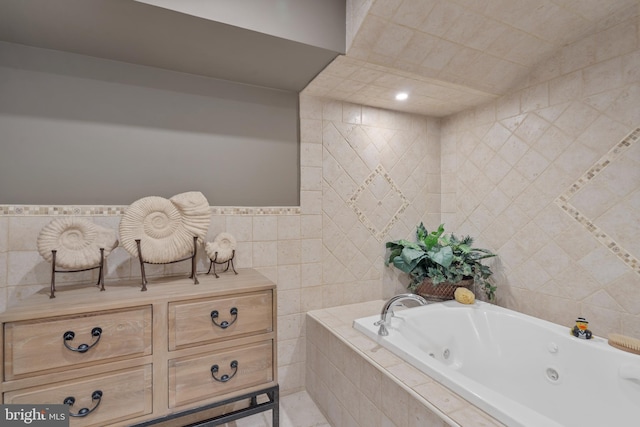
<point x="229" y="262"/>
<point x="191" y="257"/>
<point x="54" y="271"/>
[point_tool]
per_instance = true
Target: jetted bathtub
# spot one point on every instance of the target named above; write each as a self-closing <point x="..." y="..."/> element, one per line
<point x="524" y="371"/>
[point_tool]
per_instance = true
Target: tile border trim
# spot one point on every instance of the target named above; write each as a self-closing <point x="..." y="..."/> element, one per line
<point x="90" y="210"/>
<point x="563" y="200"/>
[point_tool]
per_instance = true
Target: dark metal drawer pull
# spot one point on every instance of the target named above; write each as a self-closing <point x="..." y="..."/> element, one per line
<point x="82" y="348"/>
<point x="224" y="324"/>
<point x="225" y="377"/>
<point x="96" y="395"/>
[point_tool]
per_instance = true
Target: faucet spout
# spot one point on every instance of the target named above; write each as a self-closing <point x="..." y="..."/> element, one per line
<point x="384" y="314"/>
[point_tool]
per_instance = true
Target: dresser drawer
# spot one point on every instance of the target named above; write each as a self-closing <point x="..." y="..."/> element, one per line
<point x="205" y="376"/>
<point x="197" y="322"/>
<point x="124" y="395"/>
<point x="59" y="343"/>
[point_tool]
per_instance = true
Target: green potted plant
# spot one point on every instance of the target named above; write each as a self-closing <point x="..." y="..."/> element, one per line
<point x="441" y="262"/>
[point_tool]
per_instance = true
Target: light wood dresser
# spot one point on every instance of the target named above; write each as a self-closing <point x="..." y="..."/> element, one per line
<point x="173" y="355"/>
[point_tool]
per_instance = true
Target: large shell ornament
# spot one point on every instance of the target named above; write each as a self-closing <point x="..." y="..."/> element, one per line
<point x="222" y="247"/>
<point x="165" y="227"/>
<point x="77" y="242"/>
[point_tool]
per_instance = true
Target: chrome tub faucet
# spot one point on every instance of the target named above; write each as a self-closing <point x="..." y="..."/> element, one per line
<point x="384" y="314"/>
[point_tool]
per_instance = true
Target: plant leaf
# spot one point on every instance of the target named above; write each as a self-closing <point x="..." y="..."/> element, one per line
<point x="464" y="248"/>
<point x="442" y="256"/>
<point x="408" y="259"/>
<point x="394" y="253"/>
<point x="431" y="240"/>
<point x="411" y="257"/>
<point x="421" y="232"/>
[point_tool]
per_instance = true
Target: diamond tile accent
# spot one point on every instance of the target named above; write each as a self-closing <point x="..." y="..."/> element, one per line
<point x="608" y="161"/>
<point x="378" y="202"/>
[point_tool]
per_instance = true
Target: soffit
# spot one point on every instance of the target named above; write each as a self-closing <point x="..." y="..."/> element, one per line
<point x="133" y="32"/>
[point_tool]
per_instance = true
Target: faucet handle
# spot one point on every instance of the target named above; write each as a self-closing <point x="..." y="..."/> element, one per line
<point x="382" y="330"/>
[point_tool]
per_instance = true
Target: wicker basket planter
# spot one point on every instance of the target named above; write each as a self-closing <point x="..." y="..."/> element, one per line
<point x="442" y="291"/>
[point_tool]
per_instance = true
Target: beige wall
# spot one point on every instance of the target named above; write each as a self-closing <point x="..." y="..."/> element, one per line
<point x="548" y="177"/>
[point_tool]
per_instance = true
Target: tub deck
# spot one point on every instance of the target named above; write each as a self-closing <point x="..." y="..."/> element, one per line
<point x="355" y="381"/>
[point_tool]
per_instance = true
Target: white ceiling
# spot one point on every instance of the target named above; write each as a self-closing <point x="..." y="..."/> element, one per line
<point x="449" y="55"/>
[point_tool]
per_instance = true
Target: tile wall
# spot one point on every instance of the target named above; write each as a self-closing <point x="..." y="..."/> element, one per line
<point x="549" y="177"/>
<point x="377" y="173"/>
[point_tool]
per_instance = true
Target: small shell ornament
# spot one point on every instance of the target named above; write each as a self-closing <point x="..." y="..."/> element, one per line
<point x="165" y="227"/>
<point x="222" y="247"/>
<point x="77" y="242"/>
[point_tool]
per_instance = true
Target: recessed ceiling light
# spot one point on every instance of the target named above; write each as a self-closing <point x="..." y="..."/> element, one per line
<point x="401" y="96"/>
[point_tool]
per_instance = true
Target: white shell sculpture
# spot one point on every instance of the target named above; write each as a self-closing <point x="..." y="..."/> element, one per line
<point x="165" y="227"/>
<point x="224" y="244"/>
<point x="77" y="242"/>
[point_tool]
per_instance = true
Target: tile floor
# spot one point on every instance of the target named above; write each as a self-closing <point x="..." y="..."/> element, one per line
<point x="296" y="410"/>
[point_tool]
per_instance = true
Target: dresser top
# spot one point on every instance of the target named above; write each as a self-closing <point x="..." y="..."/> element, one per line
<point x="75" y="299"/>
